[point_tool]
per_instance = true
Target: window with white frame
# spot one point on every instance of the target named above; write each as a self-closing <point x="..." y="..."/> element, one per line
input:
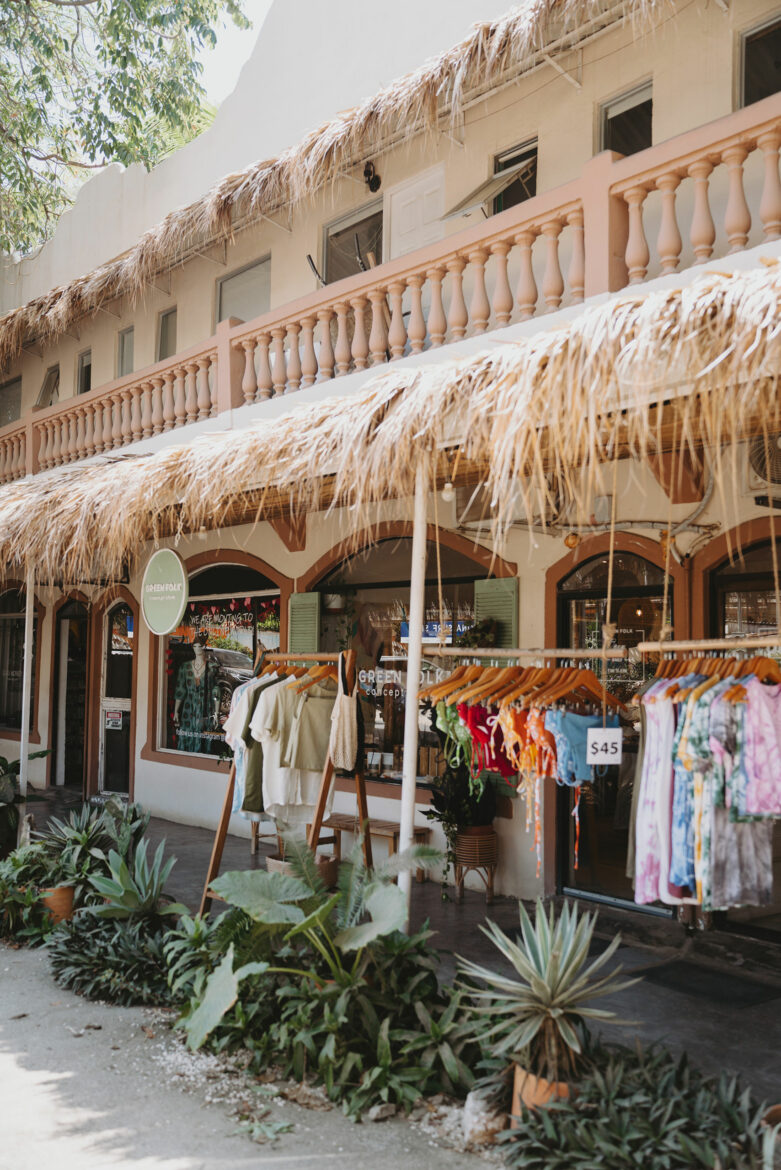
<point x="50" y="387"/>
<point x="522" y="160"/>
<point x="125" y="346"/>
<point x="166" y="335"/>
<point x="245" y="294"/>
<point x="761" y="62"/>
<point x="12" y="606"/>
<point x="353" y="243"/>
<point x="626" y="122"/>
<point x="84" y="372"/>
<point x="10" y="401"/>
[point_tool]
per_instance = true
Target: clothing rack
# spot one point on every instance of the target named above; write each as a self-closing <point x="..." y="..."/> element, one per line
<point x="618" y="652"/>
<point x="766" y="642"/>
<point x="322" y="797"/>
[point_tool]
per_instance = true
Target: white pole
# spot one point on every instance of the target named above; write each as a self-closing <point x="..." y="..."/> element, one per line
<point x="29" y="614"/>
<point x="414" y="654"/>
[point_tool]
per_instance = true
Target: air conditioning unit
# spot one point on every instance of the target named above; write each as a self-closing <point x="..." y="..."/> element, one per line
<point x="762" y="468"/>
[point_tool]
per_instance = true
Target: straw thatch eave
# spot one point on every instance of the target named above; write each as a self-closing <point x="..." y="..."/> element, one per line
<point x="491" y="53"/>
<point x="692" y="368"/>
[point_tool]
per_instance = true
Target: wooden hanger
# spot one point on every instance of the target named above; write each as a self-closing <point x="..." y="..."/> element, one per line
<point x="580" y="681"/>
<point x="316" y="674"/>
<point x="443" y="689"/>
<point x="458" y="673"/>
<point x="487" y="675"/>
<point x="538" y="676"/>
<point x="488" y="683"/>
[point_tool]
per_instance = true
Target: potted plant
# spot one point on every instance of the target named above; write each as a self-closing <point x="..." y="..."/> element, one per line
<point x="466" y="813"/>
<point x="33" y="870"/>
<point x="537" y="1016"/>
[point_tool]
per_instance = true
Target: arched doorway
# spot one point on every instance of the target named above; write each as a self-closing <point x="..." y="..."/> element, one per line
<point x="69" y="714"/>
<point x="599" y="839"/>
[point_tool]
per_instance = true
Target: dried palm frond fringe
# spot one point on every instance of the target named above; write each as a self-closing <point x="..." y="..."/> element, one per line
<point x="492" y="52"/>
<point x="693" y="367"/>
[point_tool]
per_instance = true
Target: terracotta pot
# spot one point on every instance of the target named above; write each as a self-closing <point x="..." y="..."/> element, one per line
<point x="533" y="1092"/>
<point x="327" y="864"/>
<point x="58" y="900"/>
<point x="773" y="1116"/>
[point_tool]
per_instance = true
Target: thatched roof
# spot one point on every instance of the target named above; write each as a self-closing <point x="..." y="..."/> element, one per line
<point x="491" y="53"/>
<point x="694" y="366"/>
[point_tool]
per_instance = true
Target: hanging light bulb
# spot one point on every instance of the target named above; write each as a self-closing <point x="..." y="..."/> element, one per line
<point x="448" y="492"/>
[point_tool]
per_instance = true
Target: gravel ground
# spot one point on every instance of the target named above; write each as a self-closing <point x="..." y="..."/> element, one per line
<point x="87" y="1086"/>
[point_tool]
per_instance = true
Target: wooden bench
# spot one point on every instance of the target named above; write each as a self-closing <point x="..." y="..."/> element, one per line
<point x="340" y="823"/>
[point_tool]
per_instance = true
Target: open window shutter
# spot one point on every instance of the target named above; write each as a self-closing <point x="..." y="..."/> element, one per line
<point x="497" y="598"/>
<point x="304" y="628"/>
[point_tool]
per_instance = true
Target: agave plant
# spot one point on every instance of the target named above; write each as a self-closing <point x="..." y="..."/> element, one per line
<point x="136" y="891"/>
<point x="538" y="1017"/>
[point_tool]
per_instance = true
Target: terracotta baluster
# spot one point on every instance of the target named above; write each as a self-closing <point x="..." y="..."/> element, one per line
<point x="326" y="355"/>
<point x="552" y="280"/>
<point x="64" y="439"/>
<point x="203" y="396"/>
<point x="191" y="392"/>
<point x="55" y="449"/>
<point x="158" y="419"/>
<point x="169" y="409"/>
<point x="309" y="359"/>
<point x="146" y="410"/>
<point x="526" y="292"/>
<point x="180" y="402"/>
<point x="503" y="297"/>
<point x="770" y="203"/>
<point x="72" y="436"/>
<point x="127" y="414"/>
<point x="79" y="439"/>
<point x="378" y="335"/>
<point x="737" y="217"/>
<point x="437" y="321"/>
<point x="480" y="308"/>
<point x="23" y="454"/>
<point x="97" y="429"/>
<point x="249" y="383"/>
<point x="265" y="380"/>
<point x="397" y="332"/>
<point x="342" y="351"/>
<point x="279" y="370"/>
<point x="702" y="233"/>
<point x="5" y="460"/>
<point x="416" y="330"/>
<point x="89" y="431"/>
<point x="136" y="423"/>
<point x="360" y="346"/>
<point x="293" y="357"/>
<point x="44" y="444"/>
<point x="13" y="469"/>
<point x="110" y="414"/>
<point x="576" y="276"/>
<point x="668" y="241"/>
<point x="637" y="254"/>
<point x="458" y="318"/>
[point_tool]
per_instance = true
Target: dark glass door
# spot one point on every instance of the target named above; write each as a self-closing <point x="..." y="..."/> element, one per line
<point x="116" y="702"/>
<point x="71" y="696"/>
<point x="592" y="846"/>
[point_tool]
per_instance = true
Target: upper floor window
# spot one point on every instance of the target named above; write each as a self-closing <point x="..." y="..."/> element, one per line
<point x="761" y="63"/>
<point x="353" y="243"/>
<point x="84" y="372"/>
<point x="10" y="401"/>
<point x="245" y="294"/>
<point x="166" y="335"/>
<point x="626" y="123"/>
<point x="521" y="163"/>
<point x="125" y="341"/>
<point x="12" y="606"/>
<point x="50" y="387"/>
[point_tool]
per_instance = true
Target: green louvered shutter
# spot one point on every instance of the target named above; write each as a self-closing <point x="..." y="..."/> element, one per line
<point x="304" y="628"/>
<point x="497" y="598"/>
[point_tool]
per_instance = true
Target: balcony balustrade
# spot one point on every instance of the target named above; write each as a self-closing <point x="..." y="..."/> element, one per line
<point x="707" y="193"/>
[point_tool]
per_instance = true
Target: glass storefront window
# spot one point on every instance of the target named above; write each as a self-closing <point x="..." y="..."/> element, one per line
<point x="12" y="606"/>
<point x="210" y="654"/>
<point x="119" y="653"/>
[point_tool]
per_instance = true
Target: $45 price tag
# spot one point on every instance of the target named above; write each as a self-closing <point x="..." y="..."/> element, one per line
<point x="603" y="745"/>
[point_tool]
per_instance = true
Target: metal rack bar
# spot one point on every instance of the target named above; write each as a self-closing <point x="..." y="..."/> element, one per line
<point x="618" y="652"/>
<point x="765" y="642"/>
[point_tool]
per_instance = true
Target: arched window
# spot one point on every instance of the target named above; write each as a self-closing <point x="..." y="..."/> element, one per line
<point x="743" y="600"/>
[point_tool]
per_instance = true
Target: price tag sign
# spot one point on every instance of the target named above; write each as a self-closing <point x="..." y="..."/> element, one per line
<point x="603" y="745"/>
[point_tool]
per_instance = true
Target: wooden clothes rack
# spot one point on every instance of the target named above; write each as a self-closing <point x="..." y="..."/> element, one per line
<point x="618" y="652"/>
<point x="313" y="839"/>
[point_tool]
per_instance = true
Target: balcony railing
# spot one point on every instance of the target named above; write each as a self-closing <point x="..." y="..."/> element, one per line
<point x="704" y="194"/>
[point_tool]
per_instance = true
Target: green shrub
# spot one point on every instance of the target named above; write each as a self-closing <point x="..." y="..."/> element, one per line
<point x="643" y="1109"/>
<point x="121" y="961"/>
<point x="82" y="843"/>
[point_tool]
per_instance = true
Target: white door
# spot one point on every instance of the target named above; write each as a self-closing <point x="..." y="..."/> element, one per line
<point x="116" y="701"/>
<point x="415" y="211"/>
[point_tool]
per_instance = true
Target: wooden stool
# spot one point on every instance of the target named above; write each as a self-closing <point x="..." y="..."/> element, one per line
<point x="340" y="823"/>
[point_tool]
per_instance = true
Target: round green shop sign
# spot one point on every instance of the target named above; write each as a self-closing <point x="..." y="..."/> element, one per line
<point x="164" y="591"/>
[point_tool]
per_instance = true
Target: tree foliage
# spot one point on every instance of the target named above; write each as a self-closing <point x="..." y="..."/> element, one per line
<point x="88" y="82"/>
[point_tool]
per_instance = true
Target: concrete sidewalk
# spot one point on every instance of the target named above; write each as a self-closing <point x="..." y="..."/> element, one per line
<point x="86" y="1087"/>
